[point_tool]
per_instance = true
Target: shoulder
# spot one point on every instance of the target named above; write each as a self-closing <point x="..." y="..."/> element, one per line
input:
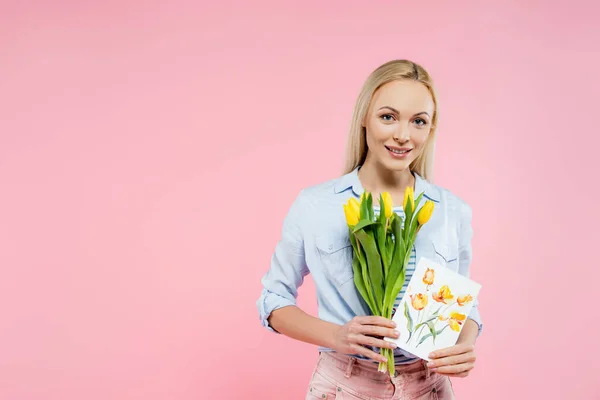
<point x="309" y="197"/>
<point x="316" y="193"/>
<point x="451" y="202"/>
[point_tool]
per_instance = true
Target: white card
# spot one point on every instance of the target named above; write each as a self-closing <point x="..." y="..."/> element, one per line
<point x="438" y="300"/>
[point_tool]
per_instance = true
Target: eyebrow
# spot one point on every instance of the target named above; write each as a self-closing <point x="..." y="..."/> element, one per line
<point x="398" y="112"/>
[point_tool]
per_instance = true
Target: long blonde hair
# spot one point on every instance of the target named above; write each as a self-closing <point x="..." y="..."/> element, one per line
<point x="356" y="146"/>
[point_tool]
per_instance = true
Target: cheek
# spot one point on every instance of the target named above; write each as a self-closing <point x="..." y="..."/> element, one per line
<point x="420" y="137"/>
<point x="379" y="133"/>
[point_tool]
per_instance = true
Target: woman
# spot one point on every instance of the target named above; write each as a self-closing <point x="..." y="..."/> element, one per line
<point x="390" y="147"/>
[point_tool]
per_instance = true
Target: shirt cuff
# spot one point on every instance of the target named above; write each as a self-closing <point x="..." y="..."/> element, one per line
<point x="474" y="315"/>
<point x="269" y="302"/>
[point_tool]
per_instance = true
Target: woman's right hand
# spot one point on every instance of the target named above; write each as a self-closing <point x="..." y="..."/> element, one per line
<point x="365" y="330"/>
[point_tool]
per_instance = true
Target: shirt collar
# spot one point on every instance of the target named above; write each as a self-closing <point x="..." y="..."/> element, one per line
<point x="350" y="180"/>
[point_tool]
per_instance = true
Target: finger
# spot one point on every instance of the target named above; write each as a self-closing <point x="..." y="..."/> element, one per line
<point x="460" y="375"/>
<point x="368" y="353"/>
<point x="373" y="330"/>
<point x="452" y="360"/>
<point x="454" y="369"/>
<point x="375" y="320"/>
<point x="452" y="350"/>
<point x="371" y="341"/>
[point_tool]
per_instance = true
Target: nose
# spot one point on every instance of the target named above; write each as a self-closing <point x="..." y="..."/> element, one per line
<point x="402" y="134"/>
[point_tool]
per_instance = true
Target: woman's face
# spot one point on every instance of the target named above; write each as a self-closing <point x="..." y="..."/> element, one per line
<point x="398" y="122"/>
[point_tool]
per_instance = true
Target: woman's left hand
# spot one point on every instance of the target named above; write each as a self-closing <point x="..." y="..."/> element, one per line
<point x="455" y="361"/>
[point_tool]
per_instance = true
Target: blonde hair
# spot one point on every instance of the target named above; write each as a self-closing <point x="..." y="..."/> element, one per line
<point x="356" y="146"/>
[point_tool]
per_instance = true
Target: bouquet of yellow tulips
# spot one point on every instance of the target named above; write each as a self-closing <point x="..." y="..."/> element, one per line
<point x="382" y="244"/>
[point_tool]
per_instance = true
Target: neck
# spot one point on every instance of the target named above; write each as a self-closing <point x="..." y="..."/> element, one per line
<point x="376" y="179"/>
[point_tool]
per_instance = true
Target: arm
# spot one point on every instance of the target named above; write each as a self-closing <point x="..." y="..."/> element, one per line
<point x="295" y="323"/>
<point x="277" y="303"/>
<point x="459" y="360"/>
<point x="287" y="271"/>
<point x="473" y="326"/>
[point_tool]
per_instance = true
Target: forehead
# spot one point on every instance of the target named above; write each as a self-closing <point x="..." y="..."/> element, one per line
<point x="405" y="96"/>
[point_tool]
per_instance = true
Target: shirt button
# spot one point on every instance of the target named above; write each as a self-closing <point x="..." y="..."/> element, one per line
<point x="330" y="247"/>
<point x="323" y="395"/>
<point x="339" y="389"/>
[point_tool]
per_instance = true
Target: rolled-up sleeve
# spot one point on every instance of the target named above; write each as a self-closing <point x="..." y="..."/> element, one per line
<point x="288" y="267"/>
<point x="465" y="256"/>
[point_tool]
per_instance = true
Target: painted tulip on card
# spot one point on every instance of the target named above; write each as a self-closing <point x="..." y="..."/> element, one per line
<point x="443" y="295"/>
<point x="456" y="319"/>
<point x="419" y="301"/>
<point x="429" y="276"/>
<point x="462" y="300"/>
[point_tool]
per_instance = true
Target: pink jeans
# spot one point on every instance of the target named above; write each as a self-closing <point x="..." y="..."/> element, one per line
<point x="341" y="377"/>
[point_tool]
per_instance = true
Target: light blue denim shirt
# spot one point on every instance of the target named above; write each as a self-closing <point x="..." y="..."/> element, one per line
<point x="315" y="240"/>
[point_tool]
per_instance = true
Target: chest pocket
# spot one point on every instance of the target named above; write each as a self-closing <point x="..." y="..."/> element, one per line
<point x="446" y="254"/>
<point x="335" y="253"/>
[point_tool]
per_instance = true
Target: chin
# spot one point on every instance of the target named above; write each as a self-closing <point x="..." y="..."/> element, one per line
<point x="397" y="165"/>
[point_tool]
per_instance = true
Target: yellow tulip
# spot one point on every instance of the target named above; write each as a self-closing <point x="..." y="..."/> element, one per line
<point x="354" y="205"/>
<point x="456" y="320"/>
<point x="387" y="203"/>
<point x="419" y="301"/>
<point x="443" y="295"/>
<point x="409" y="196"/>
<point x="462" y="300"/>
<point x="428" y="277"/>
<point x="425" y="212"/>
<point x="352" y="212"/>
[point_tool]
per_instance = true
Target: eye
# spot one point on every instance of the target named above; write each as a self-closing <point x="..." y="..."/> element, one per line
<point x="420" y="122"/>
<point x="387" y="117"/>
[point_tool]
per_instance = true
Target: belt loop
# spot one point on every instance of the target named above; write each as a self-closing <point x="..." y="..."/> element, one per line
<point x="351" y="362"/>
<point x="427" y="370"/>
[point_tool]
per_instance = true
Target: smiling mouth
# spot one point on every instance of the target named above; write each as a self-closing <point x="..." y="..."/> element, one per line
<point x="398" y="151"/>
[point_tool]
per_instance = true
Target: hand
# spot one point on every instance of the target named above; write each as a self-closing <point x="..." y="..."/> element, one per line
<point x="365" y="330"/>
<point x="455" y="361"/>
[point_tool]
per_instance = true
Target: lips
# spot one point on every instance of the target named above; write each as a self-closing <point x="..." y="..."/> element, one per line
<point x="398" y="150"/>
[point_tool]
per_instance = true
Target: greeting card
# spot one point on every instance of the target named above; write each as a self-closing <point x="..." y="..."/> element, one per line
<point x="434" y="308"/>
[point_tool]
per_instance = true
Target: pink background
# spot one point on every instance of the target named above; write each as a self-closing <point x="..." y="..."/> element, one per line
<point x="149" y="151"/>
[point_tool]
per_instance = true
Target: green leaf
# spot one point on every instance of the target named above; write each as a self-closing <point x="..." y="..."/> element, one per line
<point x="409" y="323"/>
<point x="389" y="244"/>
<point x="425" y="337"/>
<point x="364" y="211"/>
<point x="370" y="212"/>
<point x="360" y="283"/>
<point x="397" y="268"/>
<point x="418" y="200"/>
<point x="432" y="330"/>
<point x="363" y="223"/>
<point x="374" y="266"/>
<point x="367" y="280"/>
<point x="380" y="236"/>
<point x="381" y="210"/>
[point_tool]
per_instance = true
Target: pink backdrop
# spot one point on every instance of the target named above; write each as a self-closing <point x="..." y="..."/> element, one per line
<point x="149" y="151"/>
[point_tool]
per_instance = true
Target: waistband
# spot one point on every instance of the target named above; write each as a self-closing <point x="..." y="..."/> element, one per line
<point x="368" y="368"/>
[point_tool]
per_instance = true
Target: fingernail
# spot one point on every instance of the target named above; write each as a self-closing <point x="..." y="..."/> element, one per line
<point x="394" y="345"/>
<point x="394" y="324"/>
<point x="397" y="333"/>
<point x="432" y="355"/>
